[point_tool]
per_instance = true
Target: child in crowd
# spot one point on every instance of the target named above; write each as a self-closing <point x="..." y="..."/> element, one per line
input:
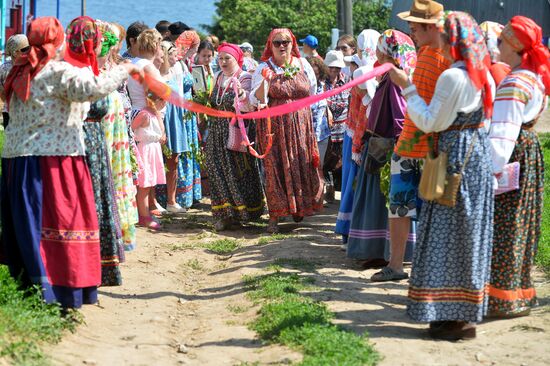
<point x="149" y="135"/>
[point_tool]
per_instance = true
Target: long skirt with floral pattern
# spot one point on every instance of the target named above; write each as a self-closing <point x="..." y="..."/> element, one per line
<point x="451" y="261"/>
<point x="235" y="186"/>
<point x="517" y="232"/>
<point x="110" y="235"/>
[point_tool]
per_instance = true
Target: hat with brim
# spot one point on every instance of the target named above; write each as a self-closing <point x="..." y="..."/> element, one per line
<point x="423" y="11"/>
<point x="335" y="59"/>
<point x="353" y="59"/>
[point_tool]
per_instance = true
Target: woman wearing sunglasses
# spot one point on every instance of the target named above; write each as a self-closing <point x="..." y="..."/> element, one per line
<point x="292" y="180"/>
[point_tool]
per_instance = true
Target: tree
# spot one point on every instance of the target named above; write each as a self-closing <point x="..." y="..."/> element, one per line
<point x="371" y="14"/>
<point x="238" y="21"/>
<point x="252" y="20"/>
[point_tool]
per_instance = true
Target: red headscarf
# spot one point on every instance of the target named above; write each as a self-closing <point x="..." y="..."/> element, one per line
<point x="468" y="45"/>
<point x="234" y="51"/>
<point x="186" y="41"/>
<point x="525" y="36"/>
<point x="83" y="37"/>
<point x="45" y="36"/>
<point x="268" y="51"/>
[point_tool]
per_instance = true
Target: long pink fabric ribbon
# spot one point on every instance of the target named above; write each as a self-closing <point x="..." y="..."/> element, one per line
<point x="166" y="93"/>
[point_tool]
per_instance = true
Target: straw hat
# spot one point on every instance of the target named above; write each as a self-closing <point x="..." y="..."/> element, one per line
<point x="335" y="59"/>
<point x="423" y="11"/>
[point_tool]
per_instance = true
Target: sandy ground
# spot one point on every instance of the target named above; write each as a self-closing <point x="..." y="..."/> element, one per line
<point x="178" y="306"/>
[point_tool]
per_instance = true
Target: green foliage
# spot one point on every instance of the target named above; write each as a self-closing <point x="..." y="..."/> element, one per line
<point x="327" y="344"/>
<point x="223" y="246"/>
<point x="292" y="312"/>
<point x="26" y="322"/>
<point x="252" y="20"/>
<point x="371" y="14"/>
<point x="543" y="255"/>
<point x="304" y="324"/>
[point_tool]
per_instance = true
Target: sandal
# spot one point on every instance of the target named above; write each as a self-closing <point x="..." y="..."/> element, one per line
<point x="452" y="330"/>
<point x="297" y="218"/>
<point x="148" y="222"/>
<point x="388" y="274"/>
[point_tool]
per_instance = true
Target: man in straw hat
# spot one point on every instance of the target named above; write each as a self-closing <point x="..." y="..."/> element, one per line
<point x="16" y="45"/>
<point x="412" y="145"/>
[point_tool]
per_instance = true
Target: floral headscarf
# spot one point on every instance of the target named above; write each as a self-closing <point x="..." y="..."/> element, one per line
<point x="186" y="41"/>
<point x="468" y="45"/>
<point x="400" y="48"/>
<point x="526" y="37"/>
<point x="366" y="41"/>
<point x="268" y="52"/>
<point x="83" y="36"/>
<point x="45" y="36"/>
<point x="491" y="32"/>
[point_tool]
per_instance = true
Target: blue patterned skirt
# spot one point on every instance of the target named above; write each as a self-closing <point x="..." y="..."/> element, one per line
<point x="349" y="172"/>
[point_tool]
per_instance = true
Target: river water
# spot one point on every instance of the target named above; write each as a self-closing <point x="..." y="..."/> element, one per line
<point x="191" y="12"/>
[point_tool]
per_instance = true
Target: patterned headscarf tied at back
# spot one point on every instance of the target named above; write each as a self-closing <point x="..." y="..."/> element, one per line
<point x="186" y="41"/>
<point x="45" y="36"/>
<point x="468" y="45"/>
<point x="400" y="48"/>
<point x="491" y="32"/>
<point x="367" y="41"/>
<point x="110" y="38"/>
<point x="525" y="36"/>
<point x="268" y="50"/>
<point x="83" y="37"/>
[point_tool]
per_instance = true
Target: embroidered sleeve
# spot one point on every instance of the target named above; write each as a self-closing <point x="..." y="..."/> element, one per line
<point x="511" y="98"/>
<point x="246" y="84"/>
<point x="311" y="77"/>
<point x="256" y="83"/>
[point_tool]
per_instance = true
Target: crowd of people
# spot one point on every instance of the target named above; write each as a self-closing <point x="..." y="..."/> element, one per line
<point x="436" y="159"/>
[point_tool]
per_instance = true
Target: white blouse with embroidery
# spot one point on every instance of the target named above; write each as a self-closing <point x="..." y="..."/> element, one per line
<point x="454" y="92"/>
<point x="50" y="122"/>
<point x="257" y="77"/>
<point x="520" y="99"/>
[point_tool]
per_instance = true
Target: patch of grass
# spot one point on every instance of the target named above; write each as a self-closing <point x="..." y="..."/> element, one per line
<point x="26" y="323"/>
<point x="237" y="309"/>
<point x="223" y="246"/>
<point x="263" y="240"/>
<point x="543" y="255"/>
<point x="275" y="285"/>
<point x="300" y="322"/>
<point x="526" y="328"/>
<point x="289" y="313"/>
<point x="327" y="344"/>
<point x="296" y="263"/>
<point x="195" y="264"/>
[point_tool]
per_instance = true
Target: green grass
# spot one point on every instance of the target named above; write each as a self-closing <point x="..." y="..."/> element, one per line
<point x="26" y="323"/>
<point x="296" y="263"/>
<point x="304" y="324"/>
<point x="543" y="256"/>
<point x="223" y="246"/>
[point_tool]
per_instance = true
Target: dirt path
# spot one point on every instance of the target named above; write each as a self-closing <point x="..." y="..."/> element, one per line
<point x="182" y="305"/>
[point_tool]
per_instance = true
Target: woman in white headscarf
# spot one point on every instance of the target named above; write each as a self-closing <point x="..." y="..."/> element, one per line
<point x="355" y="126"/>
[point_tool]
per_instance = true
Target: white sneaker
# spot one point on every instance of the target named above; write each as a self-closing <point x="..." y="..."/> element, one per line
<point x="160" y="208"/>
<point x="344" y="247"/>
<point x="175" y="208"/>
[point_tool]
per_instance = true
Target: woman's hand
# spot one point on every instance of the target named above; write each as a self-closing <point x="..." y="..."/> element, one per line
<point x="399" y="77"/>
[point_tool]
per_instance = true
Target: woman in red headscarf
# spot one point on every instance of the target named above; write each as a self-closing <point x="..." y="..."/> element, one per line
<point x="49" y="221"/>
<point x="292" y="181"/>
<point x="450" y="270"/>
<point x="520" y="100"/>
<point x="84" y="43"/>
<point x="235" y="187"/>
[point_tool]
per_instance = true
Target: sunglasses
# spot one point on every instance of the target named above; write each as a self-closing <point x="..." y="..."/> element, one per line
<point x="281" y="43"/>
<point x="24" y="49"/>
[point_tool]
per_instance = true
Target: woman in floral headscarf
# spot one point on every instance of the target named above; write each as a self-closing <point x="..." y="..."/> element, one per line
<point x="451" y="263"/>
<point x="491" y="32"/>
<point x="369" y="232"/>
<point x="521" y="98"/>
<point x="118" y="141"/>
<point x="84" y="44"/>
<point x="50" y="233"/>
<point x="292" y="181"/>
<point x="360" y="97"/>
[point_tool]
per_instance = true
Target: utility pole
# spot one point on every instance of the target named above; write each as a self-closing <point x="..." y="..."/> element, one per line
<point x="348" y="16"/>
<point x="83" y="7"/>
<point x="344" y="9"/>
